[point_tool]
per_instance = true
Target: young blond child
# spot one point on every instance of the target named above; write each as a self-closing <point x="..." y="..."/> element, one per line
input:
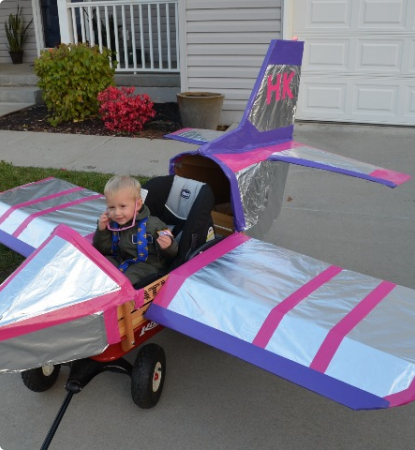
<point x="136" y="242"/>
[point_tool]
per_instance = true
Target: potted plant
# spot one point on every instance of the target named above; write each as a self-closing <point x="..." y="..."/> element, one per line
<point x="17" y="34"/>
<point x="200" y="109"/>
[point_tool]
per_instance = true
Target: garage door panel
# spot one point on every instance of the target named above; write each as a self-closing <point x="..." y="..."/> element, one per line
<point x="384" y="55"/>
<point x="411" y="59"/>
<point x="409" y="103"/>
<point x="317" y="97"/>
<point x="383" y="14"/>
<point x="323" y="55"/>
<point x="375" y="100"/>
<point x="323" y="14"/>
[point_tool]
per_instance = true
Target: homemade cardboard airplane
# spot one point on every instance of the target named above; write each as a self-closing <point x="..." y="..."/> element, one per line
<point x="302" y="319"/>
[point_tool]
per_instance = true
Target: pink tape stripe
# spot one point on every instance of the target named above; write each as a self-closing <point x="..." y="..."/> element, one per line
<point x="24" y="224"/>
<point x="37" y="200"/>
<point x="336" y="335"/>
<point x="403" y="397"/>
<point x="179" y="275"/>
<point x="277" y="314"/>
<point x="239" y="161"/>
<point x="390" y="175"/>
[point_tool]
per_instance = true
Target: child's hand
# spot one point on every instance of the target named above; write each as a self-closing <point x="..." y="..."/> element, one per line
<point x="103" y="221"/>
<point x="164" y="242"/>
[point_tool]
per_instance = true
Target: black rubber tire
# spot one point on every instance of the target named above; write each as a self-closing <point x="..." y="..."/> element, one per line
<point x="149" y="373"/>
<point x="38" y="381"/>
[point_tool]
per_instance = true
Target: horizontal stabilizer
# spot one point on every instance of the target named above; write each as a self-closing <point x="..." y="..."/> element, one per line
<point x="344" y="335"/>
<point x="194" y="135"/>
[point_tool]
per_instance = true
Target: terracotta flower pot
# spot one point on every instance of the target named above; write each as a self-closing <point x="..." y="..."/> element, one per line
<point x="200" y="109"/>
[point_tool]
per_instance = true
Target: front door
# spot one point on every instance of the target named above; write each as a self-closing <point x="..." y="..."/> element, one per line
<point x="50" y="19"/>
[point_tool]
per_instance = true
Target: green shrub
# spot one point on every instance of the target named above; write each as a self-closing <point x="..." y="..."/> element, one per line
<point x="71" y="76"/>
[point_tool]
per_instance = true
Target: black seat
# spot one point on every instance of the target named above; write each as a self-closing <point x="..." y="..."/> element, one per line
<point x="185" y="205"/>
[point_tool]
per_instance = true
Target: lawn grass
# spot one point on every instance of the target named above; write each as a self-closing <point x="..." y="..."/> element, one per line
<point x="12" y="176"/>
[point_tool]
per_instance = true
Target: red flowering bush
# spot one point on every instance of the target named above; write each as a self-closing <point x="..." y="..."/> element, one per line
<point x="122" y="110"/>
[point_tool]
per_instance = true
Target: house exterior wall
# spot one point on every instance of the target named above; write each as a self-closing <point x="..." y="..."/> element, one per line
<point x="223" y="44"/>
<point x="9" y="7"/>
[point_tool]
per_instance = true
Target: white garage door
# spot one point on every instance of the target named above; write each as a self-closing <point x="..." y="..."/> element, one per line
<point x="359" y="60"/>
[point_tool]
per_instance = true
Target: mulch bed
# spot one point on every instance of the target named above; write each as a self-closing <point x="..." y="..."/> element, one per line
<point x="166" y="121"/>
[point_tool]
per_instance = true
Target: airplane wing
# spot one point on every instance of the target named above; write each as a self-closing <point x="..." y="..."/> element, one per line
<point x="29" y="213"/>
<point x="346" y="336"/>
<point x="61" y="304"/>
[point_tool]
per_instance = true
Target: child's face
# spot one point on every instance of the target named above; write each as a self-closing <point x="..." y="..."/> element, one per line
<point x="121" y="206"/>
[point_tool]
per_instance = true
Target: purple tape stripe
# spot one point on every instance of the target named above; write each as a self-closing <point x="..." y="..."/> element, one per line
<point x="16" y="244"/>
<point x="179" y="275"/>
<point x="336" y="335"/>
<point x="277" y="314"/>
<point x="322" y="384"/>
<point x="37" y="200"/>
<point x="25" y="223"/>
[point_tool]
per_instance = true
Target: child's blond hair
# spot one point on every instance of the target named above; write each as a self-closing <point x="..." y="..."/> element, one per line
<point x="119" y="182"/>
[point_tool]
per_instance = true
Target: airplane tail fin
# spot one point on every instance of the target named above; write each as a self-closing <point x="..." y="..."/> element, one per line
<point x="273" y="101"/>
<point x="269" y="115"/>
<point x="270" y="112"/>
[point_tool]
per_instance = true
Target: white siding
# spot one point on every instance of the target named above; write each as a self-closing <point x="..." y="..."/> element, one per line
<point x="10" y="7"/>
<point x="223" y="44"/>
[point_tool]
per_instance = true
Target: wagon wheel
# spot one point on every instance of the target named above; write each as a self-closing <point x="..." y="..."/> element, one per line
<point x="41" y="379"/>
<point x="148" y="376"/>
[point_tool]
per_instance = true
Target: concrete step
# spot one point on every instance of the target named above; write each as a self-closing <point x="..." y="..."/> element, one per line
<point x="20" y="94"/>
<point x="8" y="108"/>
<point x="8" y="79"/>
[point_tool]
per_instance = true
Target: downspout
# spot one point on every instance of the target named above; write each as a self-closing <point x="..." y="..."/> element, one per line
<point x="183" y="44"/>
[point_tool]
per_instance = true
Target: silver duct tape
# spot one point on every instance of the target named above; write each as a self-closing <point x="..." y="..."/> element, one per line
<point x="235" y="293"/>
<point x="32" y="191"/>
<point x="59" y="275"/>
<point x="261" y="188"/>
<point x="69" y="341"/>
<point x="80" y="217"/>
<point x="388" y="332"/>
<point x="320" y="156"/>
<point x="276" y="102"/>
<point x="302" y="331"/>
